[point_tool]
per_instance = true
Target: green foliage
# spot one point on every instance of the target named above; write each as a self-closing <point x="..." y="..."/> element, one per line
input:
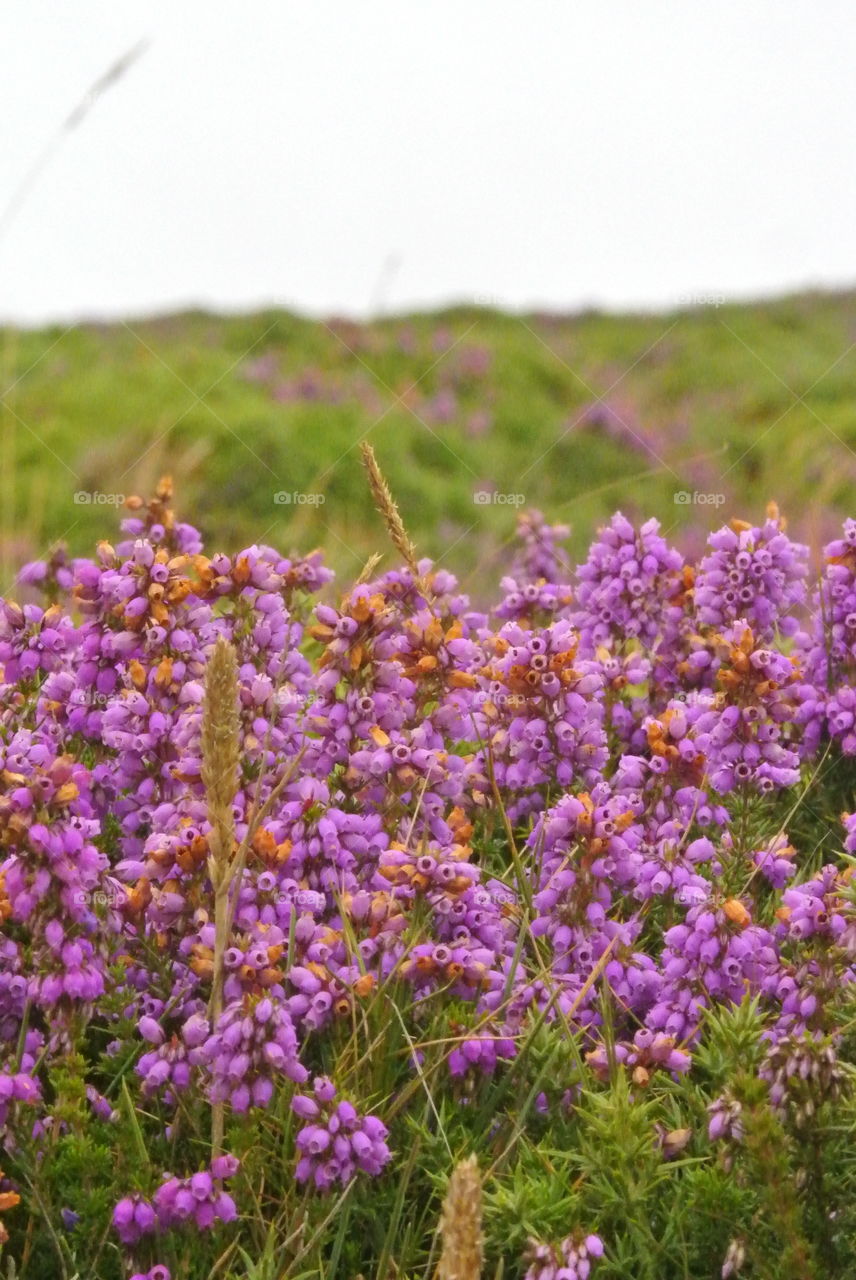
<point x="732" y="1035"/>
<point x="557" y="1157"/>
<point x="240" y="408"/>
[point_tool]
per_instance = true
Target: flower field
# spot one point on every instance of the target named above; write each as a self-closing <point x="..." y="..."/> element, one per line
<point x="351" y="929"/>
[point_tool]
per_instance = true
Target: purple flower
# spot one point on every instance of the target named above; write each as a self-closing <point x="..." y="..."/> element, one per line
<point x="341" y="1143"/>
<point x="757" y="574"/>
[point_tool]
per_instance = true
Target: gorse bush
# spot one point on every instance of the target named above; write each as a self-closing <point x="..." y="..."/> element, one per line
<point x="377" y="935"/>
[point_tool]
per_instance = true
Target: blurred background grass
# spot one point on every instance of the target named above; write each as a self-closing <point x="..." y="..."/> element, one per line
<point x="578" y="414"/>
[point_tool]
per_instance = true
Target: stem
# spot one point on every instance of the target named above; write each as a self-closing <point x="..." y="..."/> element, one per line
<point x="826" y="1243"/>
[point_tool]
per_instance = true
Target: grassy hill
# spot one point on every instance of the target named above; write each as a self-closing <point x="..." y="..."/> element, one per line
<point x="577" y="414"/>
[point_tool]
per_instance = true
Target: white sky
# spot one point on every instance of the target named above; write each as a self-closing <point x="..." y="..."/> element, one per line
<point x="333" y="155"/>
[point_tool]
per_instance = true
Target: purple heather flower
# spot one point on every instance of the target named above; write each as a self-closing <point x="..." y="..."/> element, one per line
<point x="623" y="589"/>
<point x="340" y="1143"/>
<point x="757" y="574"/>
<point x="572" y="1259"/>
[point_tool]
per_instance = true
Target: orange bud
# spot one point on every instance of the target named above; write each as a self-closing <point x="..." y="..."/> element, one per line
<point x="264" y="843"/>
<point x="737" y="913"/>
<point x="138" y="673"/>
<point x="163" y="672"/>
<point x="462" y="680"/>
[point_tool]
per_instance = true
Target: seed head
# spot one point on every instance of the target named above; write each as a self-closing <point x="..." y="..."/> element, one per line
<point x="221" y="743"/>
<point x="461" y="1224"/>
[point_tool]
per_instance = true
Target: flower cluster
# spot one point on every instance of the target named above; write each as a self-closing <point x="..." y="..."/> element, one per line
<point x="752" y="572"/>
<point x="625" y="588"/>
<point x="253" y="1042"/>
<point x="572" y="1259"/>
<point x="337" y="1142"/>
<point x="827" y="648"/>
<point x="198" y="1200"/>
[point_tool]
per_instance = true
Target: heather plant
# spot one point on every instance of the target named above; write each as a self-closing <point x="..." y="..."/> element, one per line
<point x="359" y="931"/>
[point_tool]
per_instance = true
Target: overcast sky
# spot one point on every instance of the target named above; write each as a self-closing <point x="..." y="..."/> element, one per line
<point x="342" y="157"/>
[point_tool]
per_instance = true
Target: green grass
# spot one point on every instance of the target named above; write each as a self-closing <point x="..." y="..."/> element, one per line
<point x="750" y="401"/>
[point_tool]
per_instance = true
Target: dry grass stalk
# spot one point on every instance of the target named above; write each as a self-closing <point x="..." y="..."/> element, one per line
<point x="461" y="1224"/>
<point x="385" y="504"/>
<point x="368" y="569"/>
<point x="220" y="752"/>
<point x="73" y="120"/>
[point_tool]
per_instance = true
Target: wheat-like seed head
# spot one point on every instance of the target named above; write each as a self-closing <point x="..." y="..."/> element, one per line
<point x="385" y="504"/>
<point x="221" y="745"/>
<point x="461" y="1224"/>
